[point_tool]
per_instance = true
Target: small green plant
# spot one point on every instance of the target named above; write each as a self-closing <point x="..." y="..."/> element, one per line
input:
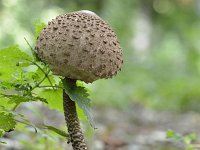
<point x="188" y="139"/>
<point x="24" y="78"/>
<point x="72" y="46"/>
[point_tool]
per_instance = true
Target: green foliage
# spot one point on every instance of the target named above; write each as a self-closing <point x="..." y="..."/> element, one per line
<point x="163" y="76"/>
<point x="25" y="79"/>
<point x="187" y="140"/>
<point x="80" y="95"/>
<point x="17" y="99"/>
<point x="22" y="79"/>
<point x="7" y="122"/>
<point x="11" y="57"/>
<point x="168" y="70"/>
<point x="173" y="135"/>
<point x="24" y="85"/>
<point x="53" y="97"/>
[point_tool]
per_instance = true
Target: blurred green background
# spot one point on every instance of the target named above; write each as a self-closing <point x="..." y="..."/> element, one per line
<point x="160" y="41"/>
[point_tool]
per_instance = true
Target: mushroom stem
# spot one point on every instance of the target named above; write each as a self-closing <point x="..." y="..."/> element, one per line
<point x="73" y="124"/>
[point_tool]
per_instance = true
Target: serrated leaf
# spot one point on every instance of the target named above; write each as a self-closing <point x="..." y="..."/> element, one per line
<point x="38" y="28"/>
<point x="80" y="96"/>
<point x="17" y="99"/>
<point x="6" y="85"/>
<point x="4" y="103"/>
<point x="56" y="130"/>
<point x="7" y="121"/>
<point x="10" y="57"/>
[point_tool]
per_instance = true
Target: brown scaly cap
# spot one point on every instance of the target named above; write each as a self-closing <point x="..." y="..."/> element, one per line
<point x="80" y="45"/>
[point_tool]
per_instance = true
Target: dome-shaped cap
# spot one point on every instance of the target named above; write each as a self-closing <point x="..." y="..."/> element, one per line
<point x="80" y="45"/>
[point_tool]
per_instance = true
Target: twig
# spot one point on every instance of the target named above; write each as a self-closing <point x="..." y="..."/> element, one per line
<point x="46" y="86"/>
<point x="50" y="81"/>
<point x="39" y="82"/>
<point x="46" y="74"/>
<point x="27" y="124"/>
<point x="32" y="50"/>
<point x="15" y="107"/>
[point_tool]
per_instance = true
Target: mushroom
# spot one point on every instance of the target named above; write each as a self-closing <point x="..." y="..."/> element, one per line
<point x="79" y="46"/>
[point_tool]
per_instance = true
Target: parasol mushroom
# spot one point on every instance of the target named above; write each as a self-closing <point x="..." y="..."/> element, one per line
<point x="79" y="46"/>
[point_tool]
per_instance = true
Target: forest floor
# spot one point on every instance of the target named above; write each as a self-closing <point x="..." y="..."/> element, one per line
<point x="133" y="128"/>
<point x="137" y="128"/>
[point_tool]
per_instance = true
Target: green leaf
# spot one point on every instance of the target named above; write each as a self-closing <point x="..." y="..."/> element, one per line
<point x="4" y="103"/>
<point x="170" y="134"/>
<point x="5" y="85"/>
<point x="17" y="99"/>
<point x="10" y="58"/>
<point x="38" y="28"/>
<point x="189" y="138"/>
<point x="80" y="96"/>
<point x="193" y="136"/>
<point x="53" y="97"/>
<point x="58" y="131"/>
<point x="7" y="122"/>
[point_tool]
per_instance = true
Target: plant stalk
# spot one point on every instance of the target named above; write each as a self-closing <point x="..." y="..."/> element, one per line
<point x="71" y="117"/>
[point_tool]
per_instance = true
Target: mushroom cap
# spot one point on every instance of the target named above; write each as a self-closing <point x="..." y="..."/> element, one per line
<point x="80" y="45"/>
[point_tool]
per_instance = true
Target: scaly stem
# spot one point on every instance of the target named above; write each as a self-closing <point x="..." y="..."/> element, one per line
<point x="73" y="124"/>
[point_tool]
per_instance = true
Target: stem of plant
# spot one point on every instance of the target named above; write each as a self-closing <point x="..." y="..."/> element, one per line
<point x="71" y="117"/>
